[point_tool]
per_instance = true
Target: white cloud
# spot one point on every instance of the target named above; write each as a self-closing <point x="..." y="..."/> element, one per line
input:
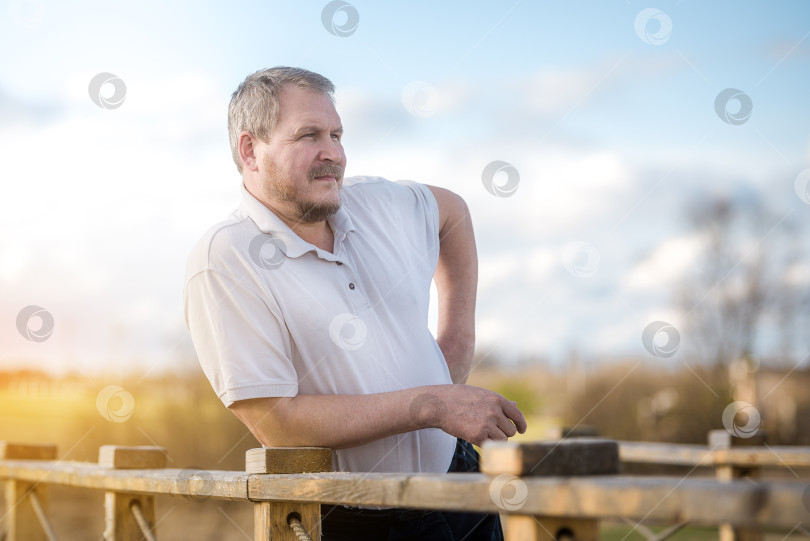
<point x="559" y="188"/>
<point x="619" y="334"/>
<point x="665" y="265"/>
<point x="497" y="271"/>
<point x="542" y="262"/>
<point x="555" y="91"/>
<point x="798" y="274"/>
<point x="99" y="209"/>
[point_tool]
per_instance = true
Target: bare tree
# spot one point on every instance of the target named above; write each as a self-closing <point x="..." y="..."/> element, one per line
<point x="742" y="296"/>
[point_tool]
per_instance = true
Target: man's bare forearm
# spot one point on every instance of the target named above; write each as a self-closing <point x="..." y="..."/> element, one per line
<point x="335" y="421"/>
<point x="456" y="280"/>
<point x="341" y="421"/>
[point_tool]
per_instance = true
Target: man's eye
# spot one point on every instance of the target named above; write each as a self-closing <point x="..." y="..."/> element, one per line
<point x="336" y="137"/>
<point x="309" y="135"/>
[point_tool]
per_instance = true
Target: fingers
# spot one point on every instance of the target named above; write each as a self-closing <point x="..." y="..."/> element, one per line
<point x="511" y="410"/>
<point x="496" y="434"/>
<point x="506" y="427"/>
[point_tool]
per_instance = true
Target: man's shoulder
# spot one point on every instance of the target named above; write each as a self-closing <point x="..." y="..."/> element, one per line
<point x="219" y="243"/>
<point x="365" y="186"/>
<point x="374" y="190"/>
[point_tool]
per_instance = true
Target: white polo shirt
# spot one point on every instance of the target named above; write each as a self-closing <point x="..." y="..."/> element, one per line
<point x="272" y="315"/>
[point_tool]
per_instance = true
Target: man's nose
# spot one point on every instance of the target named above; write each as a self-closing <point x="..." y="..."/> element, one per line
<point x="331" y="151"/>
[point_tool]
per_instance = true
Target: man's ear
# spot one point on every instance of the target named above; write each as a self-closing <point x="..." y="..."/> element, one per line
<point x="247" y="152"/>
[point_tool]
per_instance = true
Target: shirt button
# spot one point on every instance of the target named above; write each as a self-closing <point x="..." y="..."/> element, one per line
<point x="339" y="262"/>
<point x="351" y="286"/>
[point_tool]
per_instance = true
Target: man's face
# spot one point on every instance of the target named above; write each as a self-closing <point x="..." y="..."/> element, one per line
<point x="303" y="160"/>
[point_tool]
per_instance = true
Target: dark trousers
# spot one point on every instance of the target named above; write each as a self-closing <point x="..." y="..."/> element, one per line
<point x="349" y="524"/>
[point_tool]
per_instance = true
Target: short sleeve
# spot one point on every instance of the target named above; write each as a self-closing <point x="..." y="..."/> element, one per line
<point x="243" y="346"/>
<point x="421" y="211"/>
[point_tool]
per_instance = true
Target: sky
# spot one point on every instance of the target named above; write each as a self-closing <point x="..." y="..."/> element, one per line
<point x="606" y="117"/>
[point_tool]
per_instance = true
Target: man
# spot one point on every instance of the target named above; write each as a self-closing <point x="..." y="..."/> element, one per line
<point x="308" y="309"/>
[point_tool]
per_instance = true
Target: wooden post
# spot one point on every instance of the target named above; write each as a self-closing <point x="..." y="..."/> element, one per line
<point x="121" y="524"/>
<point x="21" y="519"/>
<point x="574" y="457"/>
<point x="270" y="518"/>
<point x="722" y="439"/>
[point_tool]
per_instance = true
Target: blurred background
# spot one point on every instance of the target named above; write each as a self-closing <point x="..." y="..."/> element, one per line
<point x="639" y="180"/>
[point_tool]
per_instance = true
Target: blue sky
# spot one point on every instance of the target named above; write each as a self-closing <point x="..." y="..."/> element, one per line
<point x="611" y="136"/>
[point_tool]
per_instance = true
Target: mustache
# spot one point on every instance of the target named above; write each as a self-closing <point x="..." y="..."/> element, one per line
<point x="326" y="170"/>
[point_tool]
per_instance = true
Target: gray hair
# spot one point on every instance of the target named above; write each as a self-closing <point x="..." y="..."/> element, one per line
<point x="254" y="104"/>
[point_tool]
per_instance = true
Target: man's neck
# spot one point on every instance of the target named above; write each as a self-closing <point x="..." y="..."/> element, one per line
<point x="319" y="234"/>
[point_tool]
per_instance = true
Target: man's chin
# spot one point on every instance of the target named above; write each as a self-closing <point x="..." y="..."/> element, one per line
<point x="317" y="212"/>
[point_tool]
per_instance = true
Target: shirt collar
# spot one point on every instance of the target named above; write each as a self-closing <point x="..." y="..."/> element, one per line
<point x="291" y="244"/>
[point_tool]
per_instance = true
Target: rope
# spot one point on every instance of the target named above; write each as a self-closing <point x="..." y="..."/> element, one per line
<point x="294" y="521"/>
<point x="43" y="520"/>
<point x="143" y="524"/>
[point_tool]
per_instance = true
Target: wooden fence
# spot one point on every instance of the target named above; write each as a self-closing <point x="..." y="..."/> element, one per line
<point x="544" y="490"/>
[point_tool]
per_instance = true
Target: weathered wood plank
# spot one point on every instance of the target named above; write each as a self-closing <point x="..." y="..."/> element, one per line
<point x="665" y="500"/>
<point x="13" y="451"/>
<point x="773" y="455"/>
<point x="122" y="524"/>
<point x="722" y="439"/>
<point x="657" y="453"/>
<point x="20" y="517"/>
<point x="699" y="455"/>
<point x="288" y="460"/>
<point x="271" y="518"/>
<point x="528" y="528"/>
<point x="227" y="485"/>
<point x="580" y="456"/>
<point x="122" y="458"/>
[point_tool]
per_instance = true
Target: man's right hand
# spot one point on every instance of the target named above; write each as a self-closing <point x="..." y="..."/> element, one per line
<point x="470" y="413"/>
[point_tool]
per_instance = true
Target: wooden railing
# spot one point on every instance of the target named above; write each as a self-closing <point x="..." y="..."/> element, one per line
<point x="544" y="490"/>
